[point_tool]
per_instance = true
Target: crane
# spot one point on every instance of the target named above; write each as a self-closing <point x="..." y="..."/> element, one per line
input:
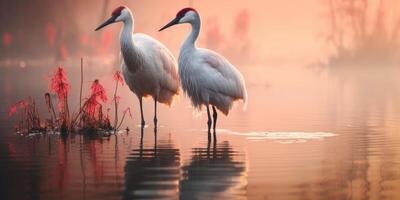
<point x="148" y="67"/>
<point x="207" y="78"/>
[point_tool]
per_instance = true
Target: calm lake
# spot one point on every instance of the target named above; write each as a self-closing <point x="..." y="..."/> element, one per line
<point x="307" y="133"/>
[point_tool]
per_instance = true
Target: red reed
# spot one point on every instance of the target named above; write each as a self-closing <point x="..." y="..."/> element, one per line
<point x="89" y="117"/>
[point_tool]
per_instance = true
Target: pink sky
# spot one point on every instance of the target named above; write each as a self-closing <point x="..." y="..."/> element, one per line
<point x="269" y="30"/>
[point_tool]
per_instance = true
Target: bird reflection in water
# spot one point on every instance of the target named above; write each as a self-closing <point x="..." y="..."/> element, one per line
<point x="214" y="172"/>
<point x="152" y="172"/>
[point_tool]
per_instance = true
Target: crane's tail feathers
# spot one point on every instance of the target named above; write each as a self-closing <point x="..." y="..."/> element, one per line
<point x="176" y="98"/>
<point x="197" y="111"/>
<point x="243" y="91"/>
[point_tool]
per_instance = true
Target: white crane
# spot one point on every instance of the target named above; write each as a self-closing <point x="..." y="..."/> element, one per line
<point x="148" y="67"/>
<point x="206" y="77"/>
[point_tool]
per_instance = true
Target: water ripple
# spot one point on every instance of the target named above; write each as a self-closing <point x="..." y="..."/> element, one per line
<point x="282" y="137"/>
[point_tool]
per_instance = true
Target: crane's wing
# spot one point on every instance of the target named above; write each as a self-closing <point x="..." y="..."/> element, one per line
<point x="222" y="76"/>
<point x="161" y="57"/>
<point x="169" y="62"/>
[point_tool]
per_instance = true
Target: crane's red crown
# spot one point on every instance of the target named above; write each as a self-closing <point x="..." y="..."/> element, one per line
<point x="182" y="12"/>
<point x="117" y="11"/>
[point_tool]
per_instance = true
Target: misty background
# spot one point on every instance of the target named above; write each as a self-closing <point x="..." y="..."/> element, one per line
<point x="296" y="54"/>
<point x="309" y="65"/>
<point x="251" y="32"/>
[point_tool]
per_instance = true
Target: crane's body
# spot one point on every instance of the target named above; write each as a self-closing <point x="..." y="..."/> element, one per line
<point x="148" y="67"/>
<point x="207" y="78"/>
<point x="152" y="71"/>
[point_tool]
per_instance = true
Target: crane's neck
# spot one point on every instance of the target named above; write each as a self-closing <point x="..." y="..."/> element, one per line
<point x="130" y="53"/>
<point x="127" y="29"/>
<point x="190" y="41"/>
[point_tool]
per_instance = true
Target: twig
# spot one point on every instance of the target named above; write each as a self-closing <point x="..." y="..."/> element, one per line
<point x="82" y="109"/>
<point x="123" y="117"/>
<point x="50" y="106"/>
<point x="116" y="105"/>
<point x="80" y="94"/>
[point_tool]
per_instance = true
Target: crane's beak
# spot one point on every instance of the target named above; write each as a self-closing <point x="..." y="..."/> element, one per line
<point x="109" y="21"/>
<point x="171" y="23"/>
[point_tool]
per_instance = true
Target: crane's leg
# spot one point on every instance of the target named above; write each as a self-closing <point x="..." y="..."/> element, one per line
<point x="141" y="111"/>
<point x="215" y="116"/>
<point x="209" y="123"/>
<point x="155" y="114"/>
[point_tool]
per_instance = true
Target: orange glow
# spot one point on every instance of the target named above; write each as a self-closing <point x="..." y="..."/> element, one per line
<point x="50" y="34"/>
<point x="7" y="39"/>
<point x="322" y="120"/>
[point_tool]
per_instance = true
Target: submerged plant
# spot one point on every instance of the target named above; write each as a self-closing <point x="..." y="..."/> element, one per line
<point x="50" y="106"/>
<point x="127" y="110"/>
<point x="30" y="119"/>
<point x="12" y="110"/>
<point x="92" y="110"/>
<point x="98" y="94"/>
<point x="92" y="115"/>
<point x="98" y="91"/>
<point x="60" y="86"/>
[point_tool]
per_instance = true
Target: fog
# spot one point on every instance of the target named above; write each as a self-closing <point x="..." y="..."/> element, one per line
<point x="329" y="67"/>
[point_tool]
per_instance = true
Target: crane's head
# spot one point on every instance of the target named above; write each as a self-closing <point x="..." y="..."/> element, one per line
<point x="119" y="14"/>
<point x="186" y="15"/>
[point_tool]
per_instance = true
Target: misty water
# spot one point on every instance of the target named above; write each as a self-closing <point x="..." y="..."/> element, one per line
<point x="307" y="133"/>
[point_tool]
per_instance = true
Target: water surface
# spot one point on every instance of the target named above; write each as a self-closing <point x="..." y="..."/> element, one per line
<point x="304" y="135"/>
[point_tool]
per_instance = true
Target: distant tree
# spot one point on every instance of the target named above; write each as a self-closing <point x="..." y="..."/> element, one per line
<point x="48" y="28"/>
<point x="363" y="30"/>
